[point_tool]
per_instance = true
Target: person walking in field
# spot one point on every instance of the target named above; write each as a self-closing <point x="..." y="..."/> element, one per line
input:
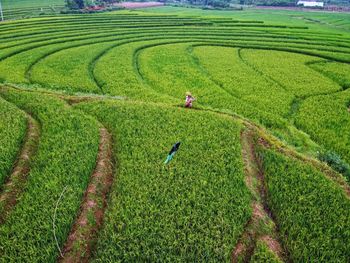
<point x="189" y="100"/>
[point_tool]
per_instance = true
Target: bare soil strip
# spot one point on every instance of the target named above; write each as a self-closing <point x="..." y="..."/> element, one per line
<point x="245" y="247"/>
<point x="261" y="215"/>
<point x="16" y="181"/>
<point x="273" y="245"/>
<point x="82" y="237"/>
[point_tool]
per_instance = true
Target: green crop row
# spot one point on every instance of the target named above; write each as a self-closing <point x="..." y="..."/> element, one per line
<point x="114" y="80"/>
<point x="72" y="74"/>
<point x="17" y="67"/>
<point x="12" y="132"/>
<point x="71" y="37"/>
<point x="99" y="21"/>
<point x="45" y="25"/>
<point x="302" y="40"/>
<point x="15" y="51"/>
<point x="170" y="70"/>
<point x="30" y="3"/>
<point x="326" y="119"/>
<point x="338" y="72"/>
<point x="65" y="158"/>
<point x="195" y="208"/>
<point x="242" y="81"/>
<point x="301" y="81"/>
<point x="312" y="212"/>
<point x="69" y="69"/>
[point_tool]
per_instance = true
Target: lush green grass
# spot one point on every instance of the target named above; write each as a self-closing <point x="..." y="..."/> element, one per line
<point x="65" y="157"/>
<point x="13" y="125"/>
<point x="193" y="209"/>
<point x="312" y="211"/>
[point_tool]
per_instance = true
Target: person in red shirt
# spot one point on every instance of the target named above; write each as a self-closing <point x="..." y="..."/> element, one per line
<point x="189" y="100"/>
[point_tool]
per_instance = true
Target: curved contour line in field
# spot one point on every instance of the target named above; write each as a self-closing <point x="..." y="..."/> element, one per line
<point x="16" y="181"/>
<point x="294" y="107"/>
<point x="81" y="239"/>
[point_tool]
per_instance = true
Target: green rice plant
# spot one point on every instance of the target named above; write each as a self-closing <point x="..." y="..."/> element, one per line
<point x="30" y="3"/>
<point x="241" y="80"/>
<point x="289" y="71"/>
<point x="13" y="124"/>
<point x="68" y="35"/>
<point x="312" y="212"/>
<point x="14" y="68"/>
<point x="339" y="72"/>
<point x="326" y="119"/>
<point x="170" y="70"/>
<point x="275" y="68"/>
<point x="116" y="73"/>
<point x="68" y="69"/>
<point x="65" y="158"/>
<point x="193" y="209"/>
<point x="23" y="8"/>
<point x="18" y="63"/>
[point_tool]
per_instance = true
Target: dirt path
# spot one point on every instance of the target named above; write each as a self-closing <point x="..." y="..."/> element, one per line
<point x="82" y="237"/>
<point x="16" y="181"/>
<point x="261" y="215"/>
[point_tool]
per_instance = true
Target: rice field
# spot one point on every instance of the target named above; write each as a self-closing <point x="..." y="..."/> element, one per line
<point x="91" y="105"/>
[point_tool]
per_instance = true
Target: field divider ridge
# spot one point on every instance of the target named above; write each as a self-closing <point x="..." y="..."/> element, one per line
<point x="262" y="224"/>
<point x="82" y="237"/>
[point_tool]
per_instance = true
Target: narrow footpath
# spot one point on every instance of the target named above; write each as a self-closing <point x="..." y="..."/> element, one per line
<point x="83" y="235"/>
<point x="261" y="226"/>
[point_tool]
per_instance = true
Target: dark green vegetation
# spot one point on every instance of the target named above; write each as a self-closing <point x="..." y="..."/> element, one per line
<point x="280" y="72"/>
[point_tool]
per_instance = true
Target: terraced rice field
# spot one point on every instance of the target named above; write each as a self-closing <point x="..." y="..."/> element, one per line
<point x="91" y="104"/>
<point x="16" y="9"/>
